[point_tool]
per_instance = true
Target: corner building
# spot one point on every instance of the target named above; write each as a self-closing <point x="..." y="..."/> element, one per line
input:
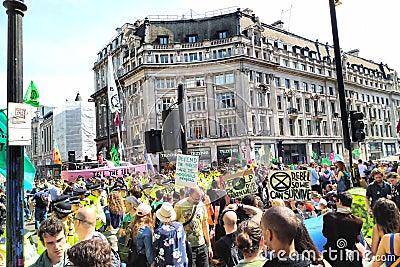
<point x="249" y="87"/>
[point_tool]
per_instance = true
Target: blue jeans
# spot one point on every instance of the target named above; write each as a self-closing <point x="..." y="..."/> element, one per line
<point x="40" y="215"/>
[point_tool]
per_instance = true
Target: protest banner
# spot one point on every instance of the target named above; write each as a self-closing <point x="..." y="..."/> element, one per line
<point x="290" y="184"/>
<point x="187" y="168"/>
<point x="240" y="184"/>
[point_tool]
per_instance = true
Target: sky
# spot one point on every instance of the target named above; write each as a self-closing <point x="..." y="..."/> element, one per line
<point x="61" y="38"/>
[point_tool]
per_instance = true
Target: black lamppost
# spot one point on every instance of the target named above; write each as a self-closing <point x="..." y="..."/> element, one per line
<point x="15" y="154"/>
<point x="339" y="75"/>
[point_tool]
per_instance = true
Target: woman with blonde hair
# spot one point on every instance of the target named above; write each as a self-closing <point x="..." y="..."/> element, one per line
<point x="142" y="237"/>
<point x="117" y="209"/>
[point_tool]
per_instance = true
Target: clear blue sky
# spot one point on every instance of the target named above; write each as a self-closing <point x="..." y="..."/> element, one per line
<point x="62" y="37"/>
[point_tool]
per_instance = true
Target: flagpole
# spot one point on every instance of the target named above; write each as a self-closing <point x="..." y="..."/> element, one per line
<point x="15" y="154"/>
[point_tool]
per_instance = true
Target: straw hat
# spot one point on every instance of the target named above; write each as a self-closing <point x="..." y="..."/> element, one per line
<point x="166" y="213"/>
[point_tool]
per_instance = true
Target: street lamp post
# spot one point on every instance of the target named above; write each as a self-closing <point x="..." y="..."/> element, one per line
<point x="15" y="154"/>
<point x="339" y="76"/>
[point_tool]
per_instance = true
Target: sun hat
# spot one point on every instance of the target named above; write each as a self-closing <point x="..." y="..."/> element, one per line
<point x="143" y="209"/>
<point x="166" y="213"/>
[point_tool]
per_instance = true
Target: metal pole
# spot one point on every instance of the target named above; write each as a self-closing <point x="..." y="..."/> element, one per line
<point x="182" y="119"/>
<point x="15" y="154"/>
<point x="339" y="75"/>
<point x="108" y="156"/>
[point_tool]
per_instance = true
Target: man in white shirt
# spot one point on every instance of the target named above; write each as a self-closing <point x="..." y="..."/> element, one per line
<point x="362" y="168"/>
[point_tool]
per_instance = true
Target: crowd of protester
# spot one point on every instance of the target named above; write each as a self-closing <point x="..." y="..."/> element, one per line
<point x="143" y="219"/>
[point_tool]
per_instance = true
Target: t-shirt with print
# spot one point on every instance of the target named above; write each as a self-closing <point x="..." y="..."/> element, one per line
<point x="193" y="230"/>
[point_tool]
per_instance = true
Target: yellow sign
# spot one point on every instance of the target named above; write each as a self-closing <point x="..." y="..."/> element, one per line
<point x="240" y="184"/>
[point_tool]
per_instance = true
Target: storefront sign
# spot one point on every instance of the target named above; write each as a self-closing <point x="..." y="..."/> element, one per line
<point x="294" y="185"/>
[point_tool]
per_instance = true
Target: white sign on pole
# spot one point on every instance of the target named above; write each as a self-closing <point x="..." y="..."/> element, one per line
<point x="19" y="124"/>
<point x="187" y="168"/>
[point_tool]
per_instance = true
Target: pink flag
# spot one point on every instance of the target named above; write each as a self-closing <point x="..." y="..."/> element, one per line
<point x="331" y="156"/>
<point x="117" y="119"/>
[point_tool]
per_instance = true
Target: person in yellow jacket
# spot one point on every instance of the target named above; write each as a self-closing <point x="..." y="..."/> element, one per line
<point x="95" y="204"/>
<point x="158" y="179"/>
<point x="145" y="198"/>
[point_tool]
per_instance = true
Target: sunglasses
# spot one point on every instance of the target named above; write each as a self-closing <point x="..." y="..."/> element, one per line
<point x="77" y="219"/>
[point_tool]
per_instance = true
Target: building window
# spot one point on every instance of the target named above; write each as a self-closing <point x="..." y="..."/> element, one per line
<point x="222" y="34"/>
<point x="280" y="122"/>
<point x="305" y="87"/>
<point x="323" y="107"/>
<point x="163" y="39"/>
<point x="294" y="65"/>
<point x="312" y="69"/>
<point x="309" y="130"/>
<point x="307" y="105"/>
<point x="285" y="62"/>
<point x="226" y="100"/>
<point x="261" y="98"/>
<point x="251" y="98"/>
<point x="165" y="103"/>
<point x="192" y="38"/>
<point x="277" y="81"/>
<point x="197" y="129"/>
<point x="334" y="128"/>
<point x="330" y="90"/>
<point x="300" y="127"/>
<point x="296" y="85"/>
<point x="313" y="88"/>
<point x="303" y="67"/>
<point x="228" y="126"/>
<point x="321" y="89"/>
<point x="229" y="78"/>
<point x="165" y="83"/>
<point x="287" y="83"/>
<point x="319" y="71"/>
<point x="291" y="127"/>
<point x="298" y="104"/>
<point x="196" y="103"/>
<point x="279" y="102"/>
<point x="325" y="128"/>
<point x="333" y="107"/>
<point x="318" y="127"/>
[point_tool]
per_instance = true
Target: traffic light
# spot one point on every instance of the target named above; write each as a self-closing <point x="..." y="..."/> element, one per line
<point x="280" y="149"/>
<point x="357" y="126"/>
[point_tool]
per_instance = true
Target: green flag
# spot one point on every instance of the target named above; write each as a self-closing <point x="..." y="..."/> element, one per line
<point x="32" y="96"/>
<point x="114" y="156"/>
<point x="314" y="155"/>
<point x="291" y="167"/>
<point x="356" y="152"/>
<point x="326" y="161"/>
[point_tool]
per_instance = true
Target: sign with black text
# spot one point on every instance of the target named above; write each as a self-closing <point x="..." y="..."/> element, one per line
<point x="294" y="185"/>
<point x="240" y="184"/>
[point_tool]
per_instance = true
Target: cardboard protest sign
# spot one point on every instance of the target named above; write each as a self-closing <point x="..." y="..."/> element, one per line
<point x="290" y="184"/>
<point x="240" y="184"/>
<point x="187" y="168"/>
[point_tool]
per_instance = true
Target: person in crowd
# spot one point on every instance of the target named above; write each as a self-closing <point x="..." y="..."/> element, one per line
<point x="342" y="231"/>
<point x="388" y="251"/>
<point x="387" y="220"/>
<point x="192" y="213"/>
<point x="250" y="242"/>
<point x="169" y="239"/>
<point x="142" y="235"/>
<point x="370" y="168"/>
<point x="341" y="176"/>
<point x="309" y="210"/>
<point x="326" y="175"/>
<point x="95" y="203"/>
<point x="116" y="208"/>
<point x="85" y="229"/>
<point x="62" y="210"/>
<point x="91" y="252"/>
<point x="323" y="206"/>
<point x="361" y="169"/>
<point x="42" y="204"/>
<point x="222" y="255"/>
<point x="304" y="244"/>
<point x="279" y="226"/>
<point x="52" y="235"/>
<point x="315" y="184"/>
<point x="131" y="203"/>
<point x="377" y="189"/>
<point x="394" y="179"/>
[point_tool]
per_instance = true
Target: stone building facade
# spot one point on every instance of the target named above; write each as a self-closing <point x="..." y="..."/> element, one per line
<point x="249" y="86"/>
